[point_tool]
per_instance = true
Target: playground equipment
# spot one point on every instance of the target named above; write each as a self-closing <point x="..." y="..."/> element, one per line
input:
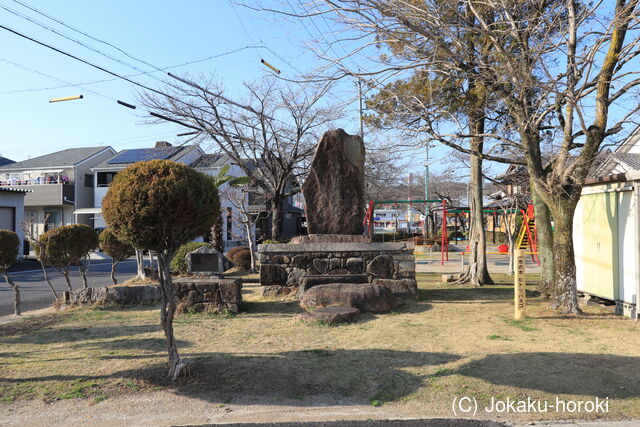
<point x="528" y="235"/>
<point x="368" y="221"/>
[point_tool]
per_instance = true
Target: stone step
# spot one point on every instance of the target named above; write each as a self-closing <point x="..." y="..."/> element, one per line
<point x="331" y="315"/>
<point x="365" y="297"/>
<point x="311" y="280"/>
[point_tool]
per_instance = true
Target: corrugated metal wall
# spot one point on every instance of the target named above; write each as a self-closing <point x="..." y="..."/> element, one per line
<point x="15" y="200"/>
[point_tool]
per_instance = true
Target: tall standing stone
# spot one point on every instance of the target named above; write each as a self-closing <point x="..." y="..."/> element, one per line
<point x="334" y="190"/>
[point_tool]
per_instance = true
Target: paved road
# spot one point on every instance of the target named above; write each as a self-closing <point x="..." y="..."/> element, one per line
<point x="35" y="293"/>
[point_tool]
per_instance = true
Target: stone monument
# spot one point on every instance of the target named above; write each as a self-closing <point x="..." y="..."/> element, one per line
<point x="350" y="270"/>
<point x="205" y="261"/>
<point x="334" y="189"/>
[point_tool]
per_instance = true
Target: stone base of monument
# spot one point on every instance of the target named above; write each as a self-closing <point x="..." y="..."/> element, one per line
<point x="331" y="238"/>
<point x="292" y="265"/>
<point x="208" y="294"/>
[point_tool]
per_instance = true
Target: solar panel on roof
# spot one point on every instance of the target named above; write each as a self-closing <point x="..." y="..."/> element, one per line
<point x="143" y="154"/>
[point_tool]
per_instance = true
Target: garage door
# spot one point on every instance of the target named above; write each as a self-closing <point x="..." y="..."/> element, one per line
<point x="7" y="219"/>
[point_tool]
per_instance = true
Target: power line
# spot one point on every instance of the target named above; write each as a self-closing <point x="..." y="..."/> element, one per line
<point x="53" y="30"/>
<point x="137" y="74"/>
<point x="24" y="67"/>
<point x="83" y="33"/>
<point x="121" y="76"/>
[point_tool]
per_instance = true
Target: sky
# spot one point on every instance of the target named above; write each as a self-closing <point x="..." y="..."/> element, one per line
<point x="162" y="33"/>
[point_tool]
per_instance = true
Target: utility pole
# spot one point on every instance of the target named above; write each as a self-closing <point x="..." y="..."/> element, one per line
<point x="359" y="84"/>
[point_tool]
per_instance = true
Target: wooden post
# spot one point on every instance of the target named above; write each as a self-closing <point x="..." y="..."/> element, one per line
<point x="519" y="286"/>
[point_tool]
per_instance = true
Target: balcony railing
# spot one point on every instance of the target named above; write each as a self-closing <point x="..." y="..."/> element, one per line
<point x="42" y="181"/>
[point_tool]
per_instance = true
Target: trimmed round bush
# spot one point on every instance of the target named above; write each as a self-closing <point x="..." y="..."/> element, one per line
<point x="233" y="251"/>
<point x="179" y="263"/>
<point x="242" y="259"/>
<point x="9" y="246"/>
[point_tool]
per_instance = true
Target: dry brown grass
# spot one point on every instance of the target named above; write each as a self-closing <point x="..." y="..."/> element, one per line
<point x="453" y="341"/>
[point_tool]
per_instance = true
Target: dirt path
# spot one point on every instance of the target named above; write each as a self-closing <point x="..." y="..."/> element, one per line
<point x="165" y="408"/>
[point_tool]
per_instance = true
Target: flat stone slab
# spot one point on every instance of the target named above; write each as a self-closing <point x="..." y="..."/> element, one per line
<point x="309" y="281"/>
<point x="331" y="238"/>
<point x="331" y="315"/>
<point x="363" y="296"/>
<point x="115" y="295"/>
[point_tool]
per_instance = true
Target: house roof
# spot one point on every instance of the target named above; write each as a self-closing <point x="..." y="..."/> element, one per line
<point x="124" y="158"/>
<point x="631" y="160"/>
<point x="211" y="161"/>
<point x="5" y="161"/>
<point x="68" y="157"/>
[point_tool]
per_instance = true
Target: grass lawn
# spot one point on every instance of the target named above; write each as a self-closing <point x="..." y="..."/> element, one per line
<point x="452" y="342"/>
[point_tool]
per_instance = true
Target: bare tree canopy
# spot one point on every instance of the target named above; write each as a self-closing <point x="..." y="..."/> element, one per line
<point x="271" y="134"/>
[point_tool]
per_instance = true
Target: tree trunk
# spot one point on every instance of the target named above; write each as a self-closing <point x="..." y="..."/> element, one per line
<point x="167" y="312"/>
<point x="46" y="277"/>
<point x="65" y="273"/>
<point x="565" y="292"/>
<point x="216" y="235"/>
<point x="477" y="272"/>
<point x="83" y="273"/>
<point x="545" y="244"/>
<point x="114" y="263"/>
<point x="16" y="293"/>
<point x="140" y="264"/>
<point x="276" y="218"/>
<point x="251" y="243"/>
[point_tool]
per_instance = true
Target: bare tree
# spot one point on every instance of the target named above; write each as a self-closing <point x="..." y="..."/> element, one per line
<point x="271" y="135"/>
<point x="554" y="69"/>
<point x="238" y="197"/>
<point x="561" y="92"/>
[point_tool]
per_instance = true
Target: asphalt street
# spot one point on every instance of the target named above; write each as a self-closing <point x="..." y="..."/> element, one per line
<point x="35" y="293"/>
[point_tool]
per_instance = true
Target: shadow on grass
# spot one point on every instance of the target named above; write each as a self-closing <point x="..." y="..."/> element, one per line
<point x="70" y="334"/>
<point x="271" y="307"/>
<point x="453" y="294"/>
<point x="600" y="375"/>
<point x="363" y="375"/>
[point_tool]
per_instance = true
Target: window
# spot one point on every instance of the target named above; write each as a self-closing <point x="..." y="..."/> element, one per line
<point x="105" y="178"/>
<point x="53" y="220"/>
<point x="229" y="222"/>
<point x="88" y="180"/>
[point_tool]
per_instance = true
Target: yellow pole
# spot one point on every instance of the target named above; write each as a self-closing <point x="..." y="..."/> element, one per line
<point x="68" y="98"/>
<point x="519" y="288"/>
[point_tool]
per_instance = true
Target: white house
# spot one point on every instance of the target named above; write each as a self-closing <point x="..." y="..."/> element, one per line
<point x="59" y="184"/>
<point x="191" y="155"/>
<point x="233" y="233"/>
<point x="104" y="172"/>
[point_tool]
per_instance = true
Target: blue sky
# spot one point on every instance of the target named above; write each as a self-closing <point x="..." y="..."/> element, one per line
<point x="162" y="33"/>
